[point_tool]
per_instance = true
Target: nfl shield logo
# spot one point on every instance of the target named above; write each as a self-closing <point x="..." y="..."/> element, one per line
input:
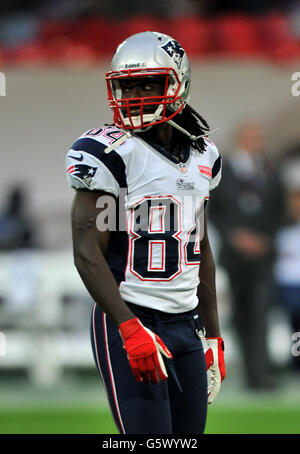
<point x="182" y="168"/>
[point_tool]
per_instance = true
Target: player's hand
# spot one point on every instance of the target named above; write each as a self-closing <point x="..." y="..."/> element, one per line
<point x="144" y="351"/>
<point x="215" y="364"/>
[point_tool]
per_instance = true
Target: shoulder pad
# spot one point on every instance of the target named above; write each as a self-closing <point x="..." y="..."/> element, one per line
<point x="110" y="136"/>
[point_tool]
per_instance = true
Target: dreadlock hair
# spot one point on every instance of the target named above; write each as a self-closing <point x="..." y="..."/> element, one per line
<point x="191" y="121"/>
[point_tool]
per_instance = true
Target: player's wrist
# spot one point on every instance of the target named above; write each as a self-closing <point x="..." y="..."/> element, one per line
<point x="130" y="327"/>
<point x="218" y="339"/>
<point x="123" y="315"/>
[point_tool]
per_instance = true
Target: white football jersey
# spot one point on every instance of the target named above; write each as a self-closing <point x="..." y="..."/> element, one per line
<point x="154" y="252"/>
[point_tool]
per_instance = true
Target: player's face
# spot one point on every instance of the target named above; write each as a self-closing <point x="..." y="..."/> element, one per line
<point x="136" y="88"/>
<point x="141" y="87"/>
<point x="252" y="138"/>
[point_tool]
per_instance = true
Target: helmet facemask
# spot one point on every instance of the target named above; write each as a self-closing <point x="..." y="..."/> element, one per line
<point x="138" y="113"/>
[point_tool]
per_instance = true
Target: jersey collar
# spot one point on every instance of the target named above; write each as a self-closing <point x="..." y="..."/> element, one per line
<point x="181" y="152"/>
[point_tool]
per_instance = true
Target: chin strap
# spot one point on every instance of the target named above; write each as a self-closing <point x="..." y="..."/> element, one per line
<point x="127" y="134"/>
<point x="184" y="131"/>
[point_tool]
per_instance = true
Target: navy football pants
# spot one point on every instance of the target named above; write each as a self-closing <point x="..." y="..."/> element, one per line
<point x="175" y="406"/>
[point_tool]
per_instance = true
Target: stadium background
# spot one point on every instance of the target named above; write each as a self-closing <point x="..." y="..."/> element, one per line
<point x="54" y="56"/>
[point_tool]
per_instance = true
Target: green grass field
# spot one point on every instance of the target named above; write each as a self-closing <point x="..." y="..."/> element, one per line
<point x="271" y="419"/>
<point x="81" y="408"/>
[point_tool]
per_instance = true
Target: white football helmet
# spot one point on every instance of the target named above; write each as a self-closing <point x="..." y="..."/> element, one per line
<point x="143" y="55"/>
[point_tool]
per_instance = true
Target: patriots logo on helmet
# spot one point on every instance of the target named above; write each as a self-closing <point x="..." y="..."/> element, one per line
<point x="82" y="171"/>
<point x="174" y="49"/>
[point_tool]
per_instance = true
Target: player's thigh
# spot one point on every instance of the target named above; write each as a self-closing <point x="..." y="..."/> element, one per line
<point x="189" y="407"/>
<point x="136" y="407"/>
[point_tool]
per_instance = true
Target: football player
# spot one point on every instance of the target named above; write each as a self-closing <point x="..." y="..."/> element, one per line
<point x="141" y="246"/>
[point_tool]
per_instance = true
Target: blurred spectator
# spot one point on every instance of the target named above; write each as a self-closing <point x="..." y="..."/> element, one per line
<point x="247" y="210"/>
<point x="16" y="230"/>
<point x="18" y="238"/>
<point x="18" y="29"/>
<point x="287" y="269"/>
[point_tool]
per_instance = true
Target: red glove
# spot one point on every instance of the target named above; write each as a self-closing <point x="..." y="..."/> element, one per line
<point x="209" y="358"/>
<point x="144" y="349"/>
<point x="217" y="367"/>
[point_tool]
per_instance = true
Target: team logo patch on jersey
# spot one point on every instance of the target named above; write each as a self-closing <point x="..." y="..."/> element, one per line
<point x="82" y="171"/>
<point x="174" y="49"/>
<point x="205" y="170"/>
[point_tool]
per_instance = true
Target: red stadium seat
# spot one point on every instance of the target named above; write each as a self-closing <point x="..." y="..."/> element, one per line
<point x="237" y="35"/>
<point x="279" y="41"/>
<point x="196" y="35"/>
<point x="90" y="39"/>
